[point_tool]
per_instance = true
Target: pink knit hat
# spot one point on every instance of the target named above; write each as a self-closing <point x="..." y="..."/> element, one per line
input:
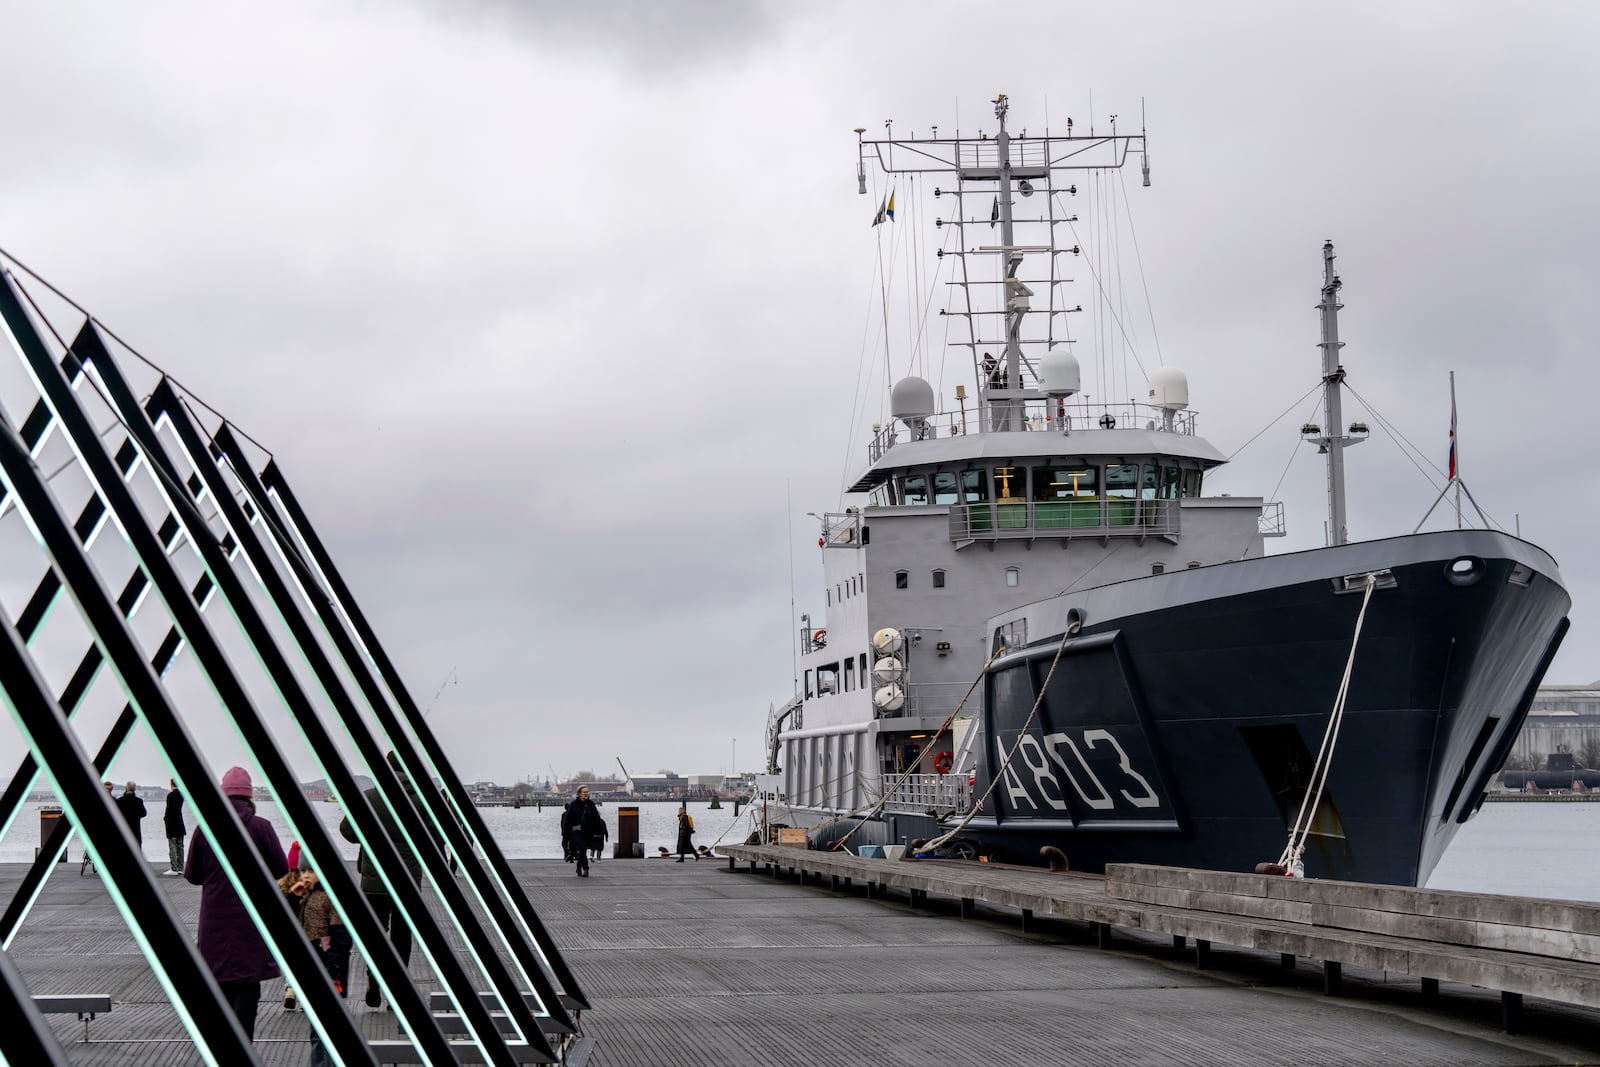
<point x="236" y="782"/>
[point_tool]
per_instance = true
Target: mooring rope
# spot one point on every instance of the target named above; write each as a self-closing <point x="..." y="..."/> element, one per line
<point x="1330" y="738"/>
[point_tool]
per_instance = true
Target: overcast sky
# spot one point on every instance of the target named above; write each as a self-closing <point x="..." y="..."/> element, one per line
<point x="554" y="314"/>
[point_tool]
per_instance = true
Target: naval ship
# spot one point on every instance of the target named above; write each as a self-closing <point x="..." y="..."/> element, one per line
<point x="1041" y="634"/>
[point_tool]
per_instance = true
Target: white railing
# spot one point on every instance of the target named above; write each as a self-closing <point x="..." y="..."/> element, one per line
<point x="1035" y="414"/>
<point x="923" y="793"/>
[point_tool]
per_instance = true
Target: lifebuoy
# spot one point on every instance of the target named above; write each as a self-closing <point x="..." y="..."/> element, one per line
<point x="819" y="638"/>
<point x="943" y="762"/>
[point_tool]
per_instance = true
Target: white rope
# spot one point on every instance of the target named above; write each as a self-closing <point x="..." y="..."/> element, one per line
<point x="994" y="780"/>
<point x="1301" y="829"/>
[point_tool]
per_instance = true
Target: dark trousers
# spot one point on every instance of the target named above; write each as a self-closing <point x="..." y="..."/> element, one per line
<point x="244" y="998"/>
<point x="580" y="848"/>
<point x="390" y="919"/>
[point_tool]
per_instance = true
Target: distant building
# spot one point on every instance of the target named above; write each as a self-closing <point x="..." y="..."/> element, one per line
<point x="1562" y="718"/>
<point x="657" y="784"/>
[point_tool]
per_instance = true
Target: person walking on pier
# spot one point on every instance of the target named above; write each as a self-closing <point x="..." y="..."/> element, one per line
<point x="229" y="941"/>
<point x="686" y="833"/>
<point x="133" y="810"/>
<point x="584" y="825"/>
<point x="172" y="822"/>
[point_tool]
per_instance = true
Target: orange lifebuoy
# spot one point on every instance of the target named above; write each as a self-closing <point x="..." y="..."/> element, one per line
<point x="943" y="762"/>
<point x="819" y="638"/>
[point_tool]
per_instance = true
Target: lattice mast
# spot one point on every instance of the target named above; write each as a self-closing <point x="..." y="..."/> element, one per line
<point x="1002" y="166"/>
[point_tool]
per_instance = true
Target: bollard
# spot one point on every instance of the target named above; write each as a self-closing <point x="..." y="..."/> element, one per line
<point x="627" y="834"/>
<point x="51" y="823"/>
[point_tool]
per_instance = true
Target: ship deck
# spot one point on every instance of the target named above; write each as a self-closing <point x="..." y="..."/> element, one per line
<point x="697" y="964"/>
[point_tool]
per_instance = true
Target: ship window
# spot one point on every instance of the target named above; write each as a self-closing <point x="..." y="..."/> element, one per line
<point x="1009" y="487"/>
<point x="1122" y="481"/>
<point x="849" y="674"/>
<point x="1191" y="483"/>
<point x="828" y="679"/>
<point x="902" y="579"/>
<point x="808" y="685"/>
<point x="1152" y="475"/>
<point x="1012" y="576"/>
<point x="938" y="579"/>
<point x="914" y="490"/>
<point x="827" y="597"/>
<point x="1194" y="564"/>
<point x="974" y="489"/>
<point x="1170" y="478"/>
<point x="1065" y="483"/>
<point x="880" y="497"/>
<point x="863" y="668"/>
<point x="1158" y="568"/>
<point x="944" y="487"/>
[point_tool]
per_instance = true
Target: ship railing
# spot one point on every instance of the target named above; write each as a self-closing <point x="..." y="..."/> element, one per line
<point x="1101" y="517"/>
<point x="941" y="794"/>
<point x="1271" y="523"/>
<point x="1034" y="414"/>
<point x="841" y="529"/>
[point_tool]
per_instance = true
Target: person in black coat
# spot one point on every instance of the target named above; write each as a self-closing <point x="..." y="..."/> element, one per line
<point x="176" y="831"/>
<point x="583" y="825"/>
<point x="132" y="809"/>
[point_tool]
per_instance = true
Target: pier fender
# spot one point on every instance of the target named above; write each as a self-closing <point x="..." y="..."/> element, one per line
<point x="1054" y="858"/>
<point x="1272" y="868"/>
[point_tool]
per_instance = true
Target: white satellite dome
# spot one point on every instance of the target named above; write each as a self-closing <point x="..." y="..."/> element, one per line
<point x="888" y="641"/>
<point x="889" y="698"/>
<point x="887" y="669"/>
<point x="1058" y="372"/>
<point x="1169" y="389"/>
<point x="911" y="401"/>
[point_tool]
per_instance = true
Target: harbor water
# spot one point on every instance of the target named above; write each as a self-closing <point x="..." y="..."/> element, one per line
<point x="1528" y="849"/>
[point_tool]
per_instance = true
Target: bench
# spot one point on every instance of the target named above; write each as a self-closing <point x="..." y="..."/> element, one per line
<point x="1515" y="945"/>
<point x="84" y="1005"/>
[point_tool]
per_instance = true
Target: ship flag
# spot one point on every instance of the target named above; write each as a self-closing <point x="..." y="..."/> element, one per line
<point x="889" y="211"/>
<point x="994" y="213"/>
<point x="1452" y="436"/>
<point x="883" y="212"/>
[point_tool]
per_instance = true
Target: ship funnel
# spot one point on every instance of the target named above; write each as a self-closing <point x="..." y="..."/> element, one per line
<point x="911" y="401"/>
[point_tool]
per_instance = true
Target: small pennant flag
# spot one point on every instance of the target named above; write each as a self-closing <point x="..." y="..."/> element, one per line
<point x="883" y="212"/>
<point x="994" y="213"/>
<point x="1452" y="438"/>
<point x="889" y="211"/>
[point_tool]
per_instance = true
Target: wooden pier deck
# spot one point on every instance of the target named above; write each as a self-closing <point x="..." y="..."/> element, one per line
<point x="694" y="964"/>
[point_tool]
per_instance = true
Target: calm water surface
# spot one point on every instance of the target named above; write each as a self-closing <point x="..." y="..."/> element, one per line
<point x="1540" y="850"/>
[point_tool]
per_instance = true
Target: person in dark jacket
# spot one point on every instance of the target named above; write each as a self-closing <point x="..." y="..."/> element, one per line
<point x="176" y="831"/>
<point x="229" y="942"/>
<point x="372" y="886"/>
<point x="133" y="810"/>
<point x="584" y="825"/>
<point x="686" y="833"/>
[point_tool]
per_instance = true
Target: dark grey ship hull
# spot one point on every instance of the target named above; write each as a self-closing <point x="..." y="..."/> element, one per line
<point x="1183" y="718"/>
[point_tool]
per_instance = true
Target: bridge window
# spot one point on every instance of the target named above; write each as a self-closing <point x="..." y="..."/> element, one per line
<point x="1171" y="481"/>
<point x="938" y="579"/>
<point x="914" y="489"/>
<point x="902" y="580"/>
<point x="974" y="487"/>
<point x="1012" y="576"/>
<point x="1010" y="485"/>
<point x="944" y="487"/>
<point x="1065" y="483"/>
<point x="1152" y="478"/>
<point x="1191" y="483"/>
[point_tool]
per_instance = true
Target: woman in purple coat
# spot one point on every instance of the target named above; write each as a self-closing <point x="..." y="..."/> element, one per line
<point x="229" y="941"/>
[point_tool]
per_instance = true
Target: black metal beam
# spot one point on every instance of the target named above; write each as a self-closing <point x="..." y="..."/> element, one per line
<point x="290" y="608"/>
<point x="432" y="857"/>
<point x="273" y="480"/>
<point x="26" y="1037"/>
<point x="316" y="990"/>
<point x="127" y="877"/>
<point x="236" y="852"/>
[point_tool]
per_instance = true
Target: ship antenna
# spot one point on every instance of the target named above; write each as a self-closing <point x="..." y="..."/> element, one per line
<point x="1006" y="411"/>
